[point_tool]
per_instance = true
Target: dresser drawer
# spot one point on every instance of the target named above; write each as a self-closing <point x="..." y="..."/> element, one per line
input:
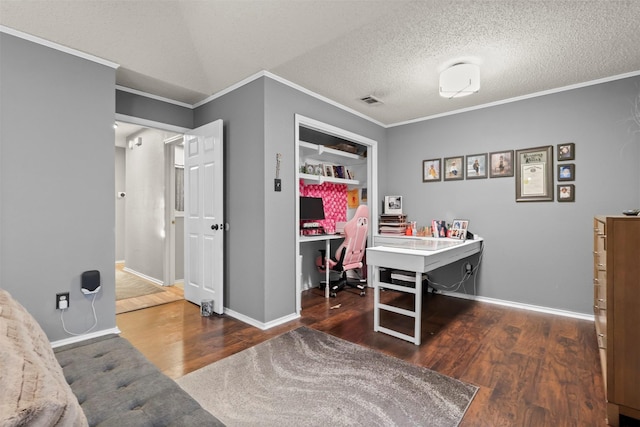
<point x="602" y="341"/>
<point x="599" y="297"/>
<point x="600" y="260"/>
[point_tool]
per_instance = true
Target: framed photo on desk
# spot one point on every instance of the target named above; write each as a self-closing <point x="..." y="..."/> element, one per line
<point x="393" y="204"/>
<point x="459" y="229"/>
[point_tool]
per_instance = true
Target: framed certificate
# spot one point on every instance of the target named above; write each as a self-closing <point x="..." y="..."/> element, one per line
<point x="534" y="174"/>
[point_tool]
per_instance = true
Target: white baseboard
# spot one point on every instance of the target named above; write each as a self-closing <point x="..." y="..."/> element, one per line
<point x="144" y="276"/>
<point x="72" y="340"/>
<point x="260" y="325"/>
<point x="529" y="307"/>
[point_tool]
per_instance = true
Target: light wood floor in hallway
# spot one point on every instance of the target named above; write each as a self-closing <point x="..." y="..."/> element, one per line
<point x="171" y="294"/>
<point x="533" y="369"/>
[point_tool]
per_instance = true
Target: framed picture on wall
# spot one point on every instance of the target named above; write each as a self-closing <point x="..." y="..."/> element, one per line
<point x="501" y="164"/>
<point x="534" y="174"/>
<point x="477" y="166"/>
<point x="431" y="170"/>
<point x="566" y="193"/>
<point x="566" y="151"/>
<point x="393" y="205"/>
<point x="453" y="168"/>
<point x="566" y="172"/>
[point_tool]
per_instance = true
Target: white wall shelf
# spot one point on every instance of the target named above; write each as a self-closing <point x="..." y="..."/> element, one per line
<point x="319" y="179"/>
<point x="312" y="151"/>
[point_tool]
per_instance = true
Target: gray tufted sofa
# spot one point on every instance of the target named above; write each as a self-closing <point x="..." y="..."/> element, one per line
<point x="117" y="386"/>
<point x="102" y="382"/>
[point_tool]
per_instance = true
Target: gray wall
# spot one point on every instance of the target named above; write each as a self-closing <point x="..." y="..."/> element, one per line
<point x="535" y="253"/>
<point x="120" y="202"/>
<point x="144" y="212"/>
<point x="152" y="109"/>
<point x="282" y="103"/>
<point x="260" y="245"/>
<point x="242" y="112"/>
<point x="56" y="182"/>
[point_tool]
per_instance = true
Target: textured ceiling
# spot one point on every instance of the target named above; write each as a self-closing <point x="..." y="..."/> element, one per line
<point x="345" y="50"/>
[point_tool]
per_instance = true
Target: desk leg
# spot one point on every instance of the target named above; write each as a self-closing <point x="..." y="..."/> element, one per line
<point x="327" y="248"/>
<point x="376" y="298"/>
<point x="418" y="310"/>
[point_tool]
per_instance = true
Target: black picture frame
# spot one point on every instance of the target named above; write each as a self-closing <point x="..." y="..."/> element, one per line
<point x="566" y="151"/>
<point x="432" y="170"/>
<point x="476" y="165"/>
<point x="501" y="164"/>
<point x="566" y="193"/>
<point x="454" y="168"/>
<point x="566" y="172"/>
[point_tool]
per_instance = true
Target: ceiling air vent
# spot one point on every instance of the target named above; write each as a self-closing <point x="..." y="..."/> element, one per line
<point x="371" y="100"/>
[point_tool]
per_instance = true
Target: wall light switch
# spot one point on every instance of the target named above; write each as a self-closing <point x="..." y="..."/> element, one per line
<point x="277" y="185"/>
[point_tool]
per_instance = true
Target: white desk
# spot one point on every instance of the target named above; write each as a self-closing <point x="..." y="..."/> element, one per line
<point x="327" y="238"/>
<point x="419" y="254"/>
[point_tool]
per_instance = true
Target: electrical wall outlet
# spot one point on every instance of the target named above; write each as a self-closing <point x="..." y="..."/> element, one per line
<point x="62" y="301"/>
<point x="468" y="268"/>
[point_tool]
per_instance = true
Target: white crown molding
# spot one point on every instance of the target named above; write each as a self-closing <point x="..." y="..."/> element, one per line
<point x="529" y="307"/>
<point x="152" y="96"/>
<point x="229" y="89"/>
<point x="85" y="337"/>
<point x="57" y="46"/>
<point x="299" y="88"/>
<point x="322" y="98"/>
<point x="520" y="98"/>
<point x="292" y="85"/>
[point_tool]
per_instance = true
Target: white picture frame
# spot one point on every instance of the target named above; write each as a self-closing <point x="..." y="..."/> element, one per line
<point x="392" y="205"/>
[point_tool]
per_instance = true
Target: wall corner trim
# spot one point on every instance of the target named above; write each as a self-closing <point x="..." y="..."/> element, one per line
<point x="57" y="46"/>
<point x="261" y="325"/>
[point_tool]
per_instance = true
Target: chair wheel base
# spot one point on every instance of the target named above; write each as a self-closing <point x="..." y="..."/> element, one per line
<point x="333" y="294"/>
<point x="363" y="293"/>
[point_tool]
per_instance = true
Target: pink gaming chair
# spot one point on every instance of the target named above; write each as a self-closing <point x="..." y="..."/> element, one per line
<point x="350" y="253"/>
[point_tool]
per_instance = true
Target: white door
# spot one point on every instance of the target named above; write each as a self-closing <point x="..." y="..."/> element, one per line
<point x="204" y="223"/>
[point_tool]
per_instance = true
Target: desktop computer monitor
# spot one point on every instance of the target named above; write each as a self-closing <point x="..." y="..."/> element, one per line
<point x="311" y="208"/>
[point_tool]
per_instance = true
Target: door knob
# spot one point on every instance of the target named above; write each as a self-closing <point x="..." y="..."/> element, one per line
<point x="214" y="227"/>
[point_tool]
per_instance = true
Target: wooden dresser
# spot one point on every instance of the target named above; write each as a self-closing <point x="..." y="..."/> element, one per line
<point x="616" y="293"/>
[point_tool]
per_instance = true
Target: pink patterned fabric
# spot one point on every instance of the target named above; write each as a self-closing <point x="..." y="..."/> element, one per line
<point x="334" y="197"/>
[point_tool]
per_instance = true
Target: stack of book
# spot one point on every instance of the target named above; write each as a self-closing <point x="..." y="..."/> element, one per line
<point x="393" y="224"/>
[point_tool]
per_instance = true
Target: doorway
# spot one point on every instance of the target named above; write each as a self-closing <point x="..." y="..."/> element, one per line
<point x="149" y="251"/>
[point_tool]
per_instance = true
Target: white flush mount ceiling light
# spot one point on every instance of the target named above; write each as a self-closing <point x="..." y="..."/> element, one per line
<point x="459" y="80"/>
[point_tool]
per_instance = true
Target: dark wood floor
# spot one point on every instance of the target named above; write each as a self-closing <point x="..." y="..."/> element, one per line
<point x="533" y="369"/>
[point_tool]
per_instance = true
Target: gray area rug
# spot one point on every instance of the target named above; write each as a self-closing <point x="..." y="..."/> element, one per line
<point x="308" y="378"/>
<point x="130" y="286"/>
